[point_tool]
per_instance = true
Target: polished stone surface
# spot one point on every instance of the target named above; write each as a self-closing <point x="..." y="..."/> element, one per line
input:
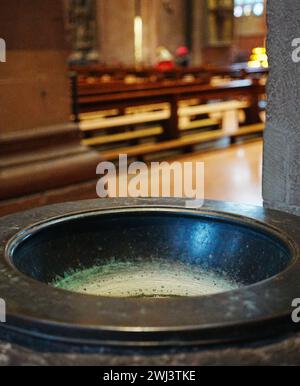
<point x="284" y="350"/>
<point x="232" y="174"/>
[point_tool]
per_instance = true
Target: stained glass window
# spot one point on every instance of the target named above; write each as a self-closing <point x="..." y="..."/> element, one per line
<point x="248" y="8"/>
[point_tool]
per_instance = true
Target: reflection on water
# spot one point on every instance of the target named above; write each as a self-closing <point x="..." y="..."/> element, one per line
<point x="155" y="278"/>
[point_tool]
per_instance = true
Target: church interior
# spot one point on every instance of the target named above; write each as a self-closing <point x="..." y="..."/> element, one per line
<point x="93" y="95"/>
<point x="84" y="82"/>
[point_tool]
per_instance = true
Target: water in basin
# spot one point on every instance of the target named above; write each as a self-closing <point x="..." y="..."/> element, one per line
<point x="139" y="278"/>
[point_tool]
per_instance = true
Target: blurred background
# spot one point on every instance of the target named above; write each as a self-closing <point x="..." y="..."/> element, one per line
<point x="87" y="80"/>
<point x="131" y="32"/>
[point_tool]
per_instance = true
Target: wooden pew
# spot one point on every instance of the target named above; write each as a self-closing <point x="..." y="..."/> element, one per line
<point x="120" y="73"/>
<point x="96" y="72"/>
<point x="144" y="149"/>
<point x="125" y="136"/>
<point x="126" y="120"/>
<point x="95" y="99"/>
<point x="168" y="112"/>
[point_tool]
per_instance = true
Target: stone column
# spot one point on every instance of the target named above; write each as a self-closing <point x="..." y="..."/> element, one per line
<point x="171" y="22"/>
<point x="281" y="179"/>
<point x="34" y="88"/>
<point x="198" y="31"/>
<point x="163" y="25"/>
<point x="41" y="157"/>
<point x="150" y="14"/>
<point x="115" y="26"/>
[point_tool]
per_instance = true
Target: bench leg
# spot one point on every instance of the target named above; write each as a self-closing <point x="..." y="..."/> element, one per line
<point x="188" y="149"/>
<point x="252" y="112"/>
<point x="233" y="140"/>
<point x="171" y="127"/>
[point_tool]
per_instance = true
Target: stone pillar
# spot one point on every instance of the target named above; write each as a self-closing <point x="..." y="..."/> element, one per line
<point x="115" y="26"/>
<point x="198" y="31"/>
<point x="34" y="88"/>
<point x="150" y="14"/>
<point x="281" y="178"/>
<point x="41" y="157"/>
<point x="171" y="23"/>
<point x="171" y="28"/>
<point x="163" y="25"/>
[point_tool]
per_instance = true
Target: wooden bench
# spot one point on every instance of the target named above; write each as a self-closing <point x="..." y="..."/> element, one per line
<point x="218" y="107"/>
<point x="94" y="100"/>
<point x="238" y="70"/>
<point x="185" y="141"/>
<point x="199" y="124"/>
<point x="120" y="73"/>
<point x="126" y="120"/>
<point x="186" y="113"/>
<point x="98" y="115"/>
<point x="126" y="136"/>
<point x="142" y="116"/>
<point x="147" y="108"/>
<point x="167" y="116"/>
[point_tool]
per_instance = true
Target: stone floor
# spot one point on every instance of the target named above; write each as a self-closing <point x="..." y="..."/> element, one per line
<point x="233" y="174"/>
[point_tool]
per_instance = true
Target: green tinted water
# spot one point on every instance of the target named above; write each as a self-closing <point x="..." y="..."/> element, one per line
<point x="145" y="279"/>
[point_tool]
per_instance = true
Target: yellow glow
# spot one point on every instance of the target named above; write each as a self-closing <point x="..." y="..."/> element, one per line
<point x="259" y="51"/>
<point x="254" y="64"/>
<point x="138" y="39"/>
<point x="258" y="58"/>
